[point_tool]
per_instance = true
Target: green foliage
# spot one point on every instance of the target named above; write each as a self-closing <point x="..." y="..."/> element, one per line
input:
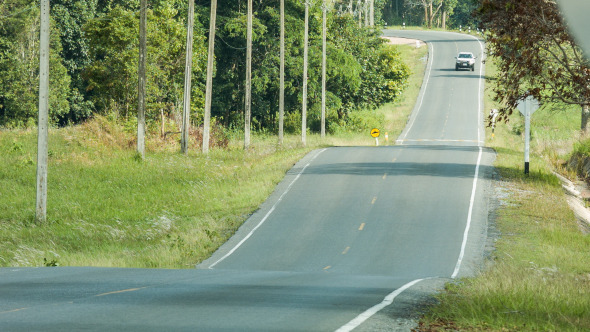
<point x="19" y="67"/>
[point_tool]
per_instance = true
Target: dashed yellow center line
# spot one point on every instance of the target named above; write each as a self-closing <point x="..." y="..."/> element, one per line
<point x="121" y="291"/>
<point x="345" y="250"/>
<point x="327" y="267"/>
<point x="362" y="227"/>
<point x="374" y="200"/>
<point x="14" y="310"/>
<point x="384" y="176"/>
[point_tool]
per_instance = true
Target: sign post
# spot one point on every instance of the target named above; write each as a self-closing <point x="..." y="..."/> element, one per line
<point x="527" y="107"/>
<point x="375" y="133"/>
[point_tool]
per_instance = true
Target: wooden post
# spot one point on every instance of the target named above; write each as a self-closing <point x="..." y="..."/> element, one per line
<point x="282" y="76"/>
<point x="184" y="138"/>
<point x="209" y="86"/>
<point x="248" y="97"/>
<point x="324" y="31"/>
<point x="141" y="83"/>
<point x="43" y="131"/>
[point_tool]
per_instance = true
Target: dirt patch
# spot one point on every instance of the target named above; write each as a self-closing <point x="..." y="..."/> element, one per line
<point x="404" y="41"/>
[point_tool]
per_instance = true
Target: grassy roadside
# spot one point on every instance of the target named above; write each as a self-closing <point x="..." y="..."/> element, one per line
<point x="539" y="278"/>
<point x="106" y="208"/>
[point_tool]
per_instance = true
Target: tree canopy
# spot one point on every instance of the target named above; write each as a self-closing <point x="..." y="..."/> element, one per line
<point x="537" y="55"/>
<point x="94" y="52"/>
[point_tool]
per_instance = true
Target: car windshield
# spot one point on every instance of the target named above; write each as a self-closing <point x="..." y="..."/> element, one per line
<point x="465" y="56"/>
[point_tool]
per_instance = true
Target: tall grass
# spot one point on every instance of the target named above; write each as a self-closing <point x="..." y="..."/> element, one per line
<point x="106" y="207"/>
<point x="538" y="278"/>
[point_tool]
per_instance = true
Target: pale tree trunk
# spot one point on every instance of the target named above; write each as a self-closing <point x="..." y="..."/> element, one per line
<point x="444" y="20"/>
<point x="305" y="50"/>
<point x="209" y="84"/>
<point x="142" y="77"/>
<point x="43" y="125"/>
<point x="372" y="13"/>
<point x="324" y="31"/>
<point x="585" y="127"/>
<point x="282" y="76"/>
<point x="184" y="137"/>
<point x="248" y="97"/>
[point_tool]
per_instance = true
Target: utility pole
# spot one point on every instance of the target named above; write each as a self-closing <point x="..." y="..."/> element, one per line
<point x="248" y="97"/>
<point x="209" y="87"/>
<point x="187" y="78"/>
<point x="324" y="31"/>
<point x="141" y="84"/>
<point x="43" y="130"/>
<point x="305" y="51"/>
<point x="282" y="76"/>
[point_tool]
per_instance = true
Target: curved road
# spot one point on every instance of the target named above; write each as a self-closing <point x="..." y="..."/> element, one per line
<point x="352" y="238"/>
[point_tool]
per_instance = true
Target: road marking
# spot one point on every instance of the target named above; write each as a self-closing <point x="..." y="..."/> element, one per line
<point x="442" y="140"/>
<point x="425" y="85"/>
<point x="14" y="310"/>
<point x="268" y="213"/>
<point x="376" y="308"/>
<point x="384" y="176"/>
<point x="393" y="160"/>
<point x="120" y="291"/>
<point x="345" y="250"/>
<point x="327" y="267"/>
<point x="362" y="227"/>
<point x="374" y="200"/>
<point x="471" y="201"/>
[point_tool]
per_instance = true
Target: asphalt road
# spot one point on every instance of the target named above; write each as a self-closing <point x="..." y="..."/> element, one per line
<point x="352" y="238"/>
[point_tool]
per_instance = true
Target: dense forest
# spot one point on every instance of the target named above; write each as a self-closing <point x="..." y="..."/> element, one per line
<point x="94" y="56"/>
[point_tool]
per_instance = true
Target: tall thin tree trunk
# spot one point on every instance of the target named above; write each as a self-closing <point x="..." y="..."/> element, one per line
<point x="444" y="20"/>
<point x="43" y="125"/>
<point x="305" y="50"/>
<point x="585" y="127"/>
<point x="184" y="138"/>
<point x="248" y="97"/>
<point x="209" y="86"/>
<point x="324" y="32"/>
<point x="360" y="10"/>
<point x="142" y="77"/>
<point x="372" y="13"/>
<point x="282" y="75"/>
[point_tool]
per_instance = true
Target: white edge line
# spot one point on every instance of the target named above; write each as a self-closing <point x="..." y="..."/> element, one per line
<point x="471" y="202"/>
<point x="430" y="61"/>
<point x="480" y="113"/>
<point x="358" y="320"/>
<point x="267" y="214"/>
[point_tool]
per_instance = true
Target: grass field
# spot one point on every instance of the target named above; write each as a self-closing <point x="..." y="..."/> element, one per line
<point x="107" y="208"/>
<point x="539" y="276"/>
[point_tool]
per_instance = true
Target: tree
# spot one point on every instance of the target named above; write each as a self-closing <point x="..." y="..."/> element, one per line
<point x="19" y="67"/>
<point x="537" y="56"/>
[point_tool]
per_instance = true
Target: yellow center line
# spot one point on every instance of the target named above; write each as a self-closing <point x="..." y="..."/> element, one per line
<point x="384" y="176"/>
<point x="327" y="267"/>
<point x="374" y="200"/>
<point x="345" y="250"/>
<point x="121" y="291"/>
<point x="362" y="227"/>
<point x="15" y="310"/>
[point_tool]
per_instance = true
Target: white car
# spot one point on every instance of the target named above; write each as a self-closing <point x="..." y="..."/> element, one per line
<point x="465" y="60"/>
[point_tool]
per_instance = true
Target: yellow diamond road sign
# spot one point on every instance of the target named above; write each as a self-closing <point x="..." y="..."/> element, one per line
<point x="375" y="132"/>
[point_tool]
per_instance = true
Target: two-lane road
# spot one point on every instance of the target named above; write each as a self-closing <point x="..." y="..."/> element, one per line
<point x="353" y="237"/>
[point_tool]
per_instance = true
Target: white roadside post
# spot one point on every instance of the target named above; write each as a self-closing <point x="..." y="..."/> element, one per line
<point x="375" y="133"/>
<point x="527" y="107"/>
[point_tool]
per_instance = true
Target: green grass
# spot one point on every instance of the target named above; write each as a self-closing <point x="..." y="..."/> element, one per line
<point x="108" y="208"/>
<point x="539" y="276"/>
